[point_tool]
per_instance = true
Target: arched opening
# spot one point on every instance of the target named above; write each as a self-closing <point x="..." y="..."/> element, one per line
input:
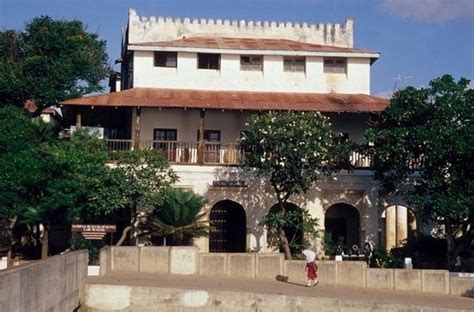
<point x="228" y="232"/>
<point x="341" y="221"/>
<point x="294" y="234"/>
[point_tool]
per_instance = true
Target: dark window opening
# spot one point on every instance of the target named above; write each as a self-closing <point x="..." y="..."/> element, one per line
<point x="166" y="59"/>
<point x="251" y="62"/>
<point x="294" y="64"/>
<point x="211" y="135"/>
<point x="335" y="65"/>
<point x="209" y="61"/>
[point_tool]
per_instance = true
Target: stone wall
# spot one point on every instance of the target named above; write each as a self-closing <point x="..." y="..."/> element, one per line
<point x="54" y="284"/>
<point x="151" y="29"/>
<point x="187" y="260"/>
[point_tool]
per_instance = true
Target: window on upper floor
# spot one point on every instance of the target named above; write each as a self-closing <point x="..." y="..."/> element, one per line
<point x="209" y="61"/>
<point x="294" y="64"/>
<point x="166" y="59"/>
<point x="210" y="135"/>
<point x="335" y="65"/>
<point x="251" y="62"/>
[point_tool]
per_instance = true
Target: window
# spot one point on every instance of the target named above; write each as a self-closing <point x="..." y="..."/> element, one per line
<point x="211" y="135"/>
<point x="165" y="134"/>
<point x="335" y="65"/>
<point x="166" y="143"/>
<point x="251" y="62"/>
<point x="209" y="61"/>
<point x="294" y="64"/>
<point x="166" y="59"/>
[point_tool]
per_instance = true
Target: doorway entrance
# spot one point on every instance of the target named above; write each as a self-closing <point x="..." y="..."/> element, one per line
<point x="229" y="229"/>
<point x="342" y="223"/>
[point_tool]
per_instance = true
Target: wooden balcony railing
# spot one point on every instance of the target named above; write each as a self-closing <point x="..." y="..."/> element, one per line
<point x="215" y="153"/>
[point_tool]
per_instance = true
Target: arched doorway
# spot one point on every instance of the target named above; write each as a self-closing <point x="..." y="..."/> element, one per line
<point x="294" y="235"/>
<point x="228" y="232"/>
<point x="341" y="221"/>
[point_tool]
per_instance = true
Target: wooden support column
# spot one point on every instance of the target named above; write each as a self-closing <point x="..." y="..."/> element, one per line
<point x="200" y="151"/>
<point x="78" y="118"/>
<point x="136" y="141"/>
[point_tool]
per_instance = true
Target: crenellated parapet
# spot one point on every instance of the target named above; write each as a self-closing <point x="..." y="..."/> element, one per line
<point x="151" y="29"/>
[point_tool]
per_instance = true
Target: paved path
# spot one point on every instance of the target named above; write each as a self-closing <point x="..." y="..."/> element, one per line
<point x="263" y="286"/>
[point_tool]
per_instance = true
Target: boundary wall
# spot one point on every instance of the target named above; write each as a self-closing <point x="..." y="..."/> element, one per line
<point x="187" y="260"/>
<point x="54" y="284"/>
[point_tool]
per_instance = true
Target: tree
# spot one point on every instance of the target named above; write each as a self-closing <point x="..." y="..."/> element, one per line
<point x="43" y="179"/>
<point x="423" y="147"/>
<point x="179" y="217"/>
<point x="50" y="61"/>
<point x="294" y="150"/>
<point x="142" y="178"/>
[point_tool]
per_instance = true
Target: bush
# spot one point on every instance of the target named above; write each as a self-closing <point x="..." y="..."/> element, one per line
<point x="387" y="260"/>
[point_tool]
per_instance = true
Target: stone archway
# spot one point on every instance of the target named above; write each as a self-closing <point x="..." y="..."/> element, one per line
<point x="229" y="227"/>
<point x="398" y="225"/>
<point x="295" y="236"/>
<point x="342" y="221"/>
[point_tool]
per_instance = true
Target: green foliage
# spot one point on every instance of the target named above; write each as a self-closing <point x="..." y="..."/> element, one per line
<point x="180" y="217"/>
<point x="93" y="246"/>
<point x="295" y="223"/>
<point x="294" y="150"/>
<point x="387" y="260"/>
<point x="45" y="180"/>
<point x="146" y="178"/>
<point x="434" y="125"/>
<point x="50" y="61"/>
<point x="329" y="244"/>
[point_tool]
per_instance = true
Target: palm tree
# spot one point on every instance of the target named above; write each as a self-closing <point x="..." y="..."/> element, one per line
<point x="179" y="218"/>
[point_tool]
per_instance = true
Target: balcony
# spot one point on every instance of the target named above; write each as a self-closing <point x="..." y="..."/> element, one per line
<point x="215" y="153"/>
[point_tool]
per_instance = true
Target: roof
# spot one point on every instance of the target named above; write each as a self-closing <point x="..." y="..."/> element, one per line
<point x="235" y="100"/>
<point x="31" y="107"/>
<point x="249" y="44"/>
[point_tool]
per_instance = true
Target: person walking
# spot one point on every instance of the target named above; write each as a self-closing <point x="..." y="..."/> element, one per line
<point x="311" y="267"/>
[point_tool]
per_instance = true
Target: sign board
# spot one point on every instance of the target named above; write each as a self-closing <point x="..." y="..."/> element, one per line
<point x="94" y="231"/>
<point x="225" y="183"/>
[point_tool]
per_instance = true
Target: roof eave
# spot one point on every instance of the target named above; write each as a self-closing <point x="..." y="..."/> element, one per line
<point x="371" y="55"/>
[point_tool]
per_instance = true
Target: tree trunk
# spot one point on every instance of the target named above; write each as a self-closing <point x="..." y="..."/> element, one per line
<point x="284" y="244"/>
<point x="10" y="257"/>
<point x="124" y="235"/>
<point x="45" y="243"/>
<point x="281" y="232"/>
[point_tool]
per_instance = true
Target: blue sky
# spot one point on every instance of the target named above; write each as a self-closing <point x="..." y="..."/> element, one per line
<point x="419" y="39"/>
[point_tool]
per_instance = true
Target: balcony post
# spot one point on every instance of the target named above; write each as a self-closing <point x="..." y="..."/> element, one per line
<point x="136" y="141"/>
<point x="78" y="118"/>
<point x="200" y="155"/>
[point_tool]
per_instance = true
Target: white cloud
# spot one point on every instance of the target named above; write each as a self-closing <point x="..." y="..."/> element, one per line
<point x="471" y="85"/>
<point x="432" y="11"/>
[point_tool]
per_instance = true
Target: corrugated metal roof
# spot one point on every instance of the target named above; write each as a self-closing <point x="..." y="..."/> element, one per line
<point x="238" y="100"/>
<point x="249" y="44"/>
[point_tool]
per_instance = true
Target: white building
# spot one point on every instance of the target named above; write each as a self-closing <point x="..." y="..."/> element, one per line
<point x="180" y="77"/>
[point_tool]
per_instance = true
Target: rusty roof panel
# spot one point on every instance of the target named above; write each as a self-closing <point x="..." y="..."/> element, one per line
<point x="178" y="98"/>
<point x="249" y="44"/>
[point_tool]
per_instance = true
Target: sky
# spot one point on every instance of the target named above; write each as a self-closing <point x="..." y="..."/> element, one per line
<point x="418" y="39"/>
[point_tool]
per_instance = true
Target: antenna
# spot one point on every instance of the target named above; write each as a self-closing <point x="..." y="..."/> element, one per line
<point x="400" y="81"/>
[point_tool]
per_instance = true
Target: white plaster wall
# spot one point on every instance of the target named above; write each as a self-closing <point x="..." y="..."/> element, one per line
<point x="229" y="122"/>
<point x="149" y="29"/>
<point x="357" y="189"/>
<point x="230" y="77"/>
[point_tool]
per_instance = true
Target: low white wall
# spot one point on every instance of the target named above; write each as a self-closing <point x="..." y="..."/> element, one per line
<point x="54" y="284"/>
<point x="264" y="265"/>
